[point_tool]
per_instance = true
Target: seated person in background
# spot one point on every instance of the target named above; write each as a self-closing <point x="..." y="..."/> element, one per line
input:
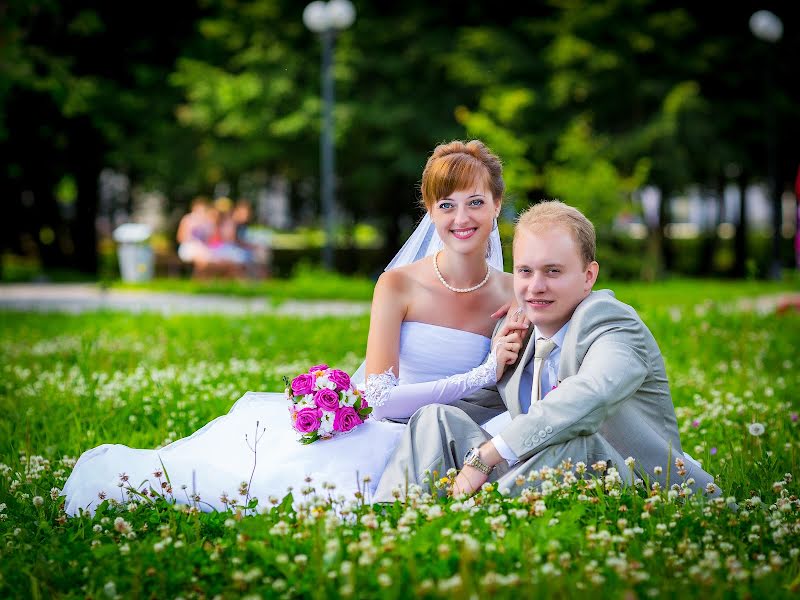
<point x="257" y="254"/>
<point x="227" y="258"/>
<point x="194" y="234"/>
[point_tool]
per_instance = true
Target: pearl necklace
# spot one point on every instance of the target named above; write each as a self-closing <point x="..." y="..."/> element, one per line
<point x="459" y="290"/>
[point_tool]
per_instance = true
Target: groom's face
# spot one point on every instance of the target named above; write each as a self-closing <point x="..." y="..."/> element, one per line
<point x="550" y="277"/>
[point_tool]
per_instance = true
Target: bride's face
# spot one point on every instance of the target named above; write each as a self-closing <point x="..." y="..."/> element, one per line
<point x="465" y="218"/>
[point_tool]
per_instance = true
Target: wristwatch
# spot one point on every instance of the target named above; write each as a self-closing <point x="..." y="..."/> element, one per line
<point x="473" y="459"/>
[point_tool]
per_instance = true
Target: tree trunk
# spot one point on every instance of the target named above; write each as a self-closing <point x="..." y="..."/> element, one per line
<point x="740" y="241"/>
<point x="709" y="247"/>
<point x="664" y="219"/>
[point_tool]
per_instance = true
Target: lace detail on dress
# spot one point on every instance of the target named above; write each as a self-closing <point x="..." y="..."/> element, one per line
<point x="480" y="376"/>
<point x="379" y="386"/>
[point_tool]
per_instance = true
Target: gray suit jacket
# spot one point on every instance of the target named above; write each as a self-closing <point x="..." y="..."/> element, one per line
<point x="611" y="381"/>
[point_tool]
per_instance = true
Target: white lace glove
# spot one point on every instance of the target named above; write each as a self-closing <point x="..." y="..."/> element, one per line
<point x="390" y="400"/>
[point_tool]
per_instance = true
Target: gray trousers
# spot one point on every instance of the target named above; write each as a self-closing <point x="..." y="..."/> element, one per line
<point x="438" y="436"/>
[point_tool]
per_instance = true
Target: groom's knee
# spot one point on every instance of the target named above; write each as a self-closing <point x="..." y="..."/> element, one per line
<point x="435" y="413"/>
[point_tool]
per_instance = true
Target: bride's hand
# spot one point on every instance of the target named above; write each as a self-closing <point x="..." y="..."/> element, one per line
<point x="502" y="311"/>
<point x="508" y="341"/>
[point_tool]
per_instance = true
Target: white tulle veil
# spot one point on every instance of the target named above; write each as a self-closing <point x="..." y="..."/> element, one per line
<point x="425" y="241"/>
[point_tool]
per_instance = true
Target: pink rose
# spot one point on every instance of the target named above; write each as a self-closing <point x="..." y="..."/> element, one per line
<point x="316" y="368"/>
<point x="346" y="419"/>
<point x="340" y="378"/>
<point x="326" y="399"/>
<point x="303" y="384"/>
<point x="307" y="420"/>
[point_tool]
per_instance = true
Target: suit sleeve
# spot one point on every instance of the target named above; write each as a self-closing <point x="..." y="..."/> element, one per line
<point x="613" y="368"/>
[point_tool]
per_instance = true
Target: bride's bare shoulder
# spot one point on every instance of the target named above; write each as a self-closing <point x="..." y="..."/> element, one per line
<point x="506" y="283"/>
<point x="402" y="279"/>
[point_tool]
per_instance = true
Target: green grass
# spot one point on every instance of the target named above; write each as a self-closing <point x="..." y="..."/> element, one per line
<point x="72" y="382"/>
<point x="306" y="283"/>
<point x="316" y="284"/>
<point x="692" y="292"/>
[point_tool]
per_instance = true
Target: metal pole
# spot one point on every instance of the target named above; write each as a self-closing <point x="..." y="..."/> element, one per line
<point x="327" y="164"/>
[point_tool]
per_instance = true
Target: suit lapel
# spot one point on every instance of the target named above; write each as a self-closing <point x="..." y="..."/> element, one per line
<point x="508" y="386"/>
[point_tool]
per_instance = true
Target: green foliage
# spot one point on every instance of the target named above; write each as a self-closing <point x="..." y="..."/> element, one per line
<point x="247" y="91"/>
<point x="72" y="382"/>
<point x="307" y="282"/>
<point x="584" y="100"/>
<point x="582" y="176"/>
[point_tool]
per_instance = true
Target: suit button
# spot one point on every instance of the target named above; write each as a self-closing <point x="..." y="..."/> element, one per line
<point x="542" y="434"/>
<point x="548" y="429"/>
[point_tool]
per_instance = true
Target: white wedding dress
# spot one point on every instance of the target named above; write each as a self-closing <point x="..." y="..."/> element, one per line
<point x="216" y="459"/>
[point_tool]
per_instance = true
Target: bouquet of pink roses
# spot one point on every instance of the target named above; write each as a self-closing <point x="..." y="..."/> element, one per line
<point x="324" y="403"/>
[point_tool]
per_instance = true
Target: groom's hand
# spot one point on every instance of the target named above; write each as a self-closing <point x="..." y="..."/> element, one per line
<point x="469" y="480"/>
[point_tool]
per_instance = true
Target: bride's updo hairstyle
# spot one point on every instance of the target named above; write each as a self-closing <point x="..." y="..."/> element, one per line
<point x="457" y="166"/>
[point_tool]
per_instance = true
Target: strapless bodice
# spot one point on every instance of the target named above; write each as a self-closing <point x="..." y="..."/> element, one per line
<point x="430" y="352"/>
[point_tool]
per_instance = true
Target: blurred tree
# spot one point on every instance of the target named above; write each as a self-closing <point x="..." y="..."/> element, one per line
<point x="583" y="100"/>
<point x="248" y="91"/>
<point x="82" y="89"/>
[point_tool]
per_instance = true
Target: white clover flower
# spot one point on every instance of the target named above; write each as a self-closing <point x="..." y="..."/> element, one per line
<point x="38" y="501"/>
<point x="110" y="589"/>
<point x="756" y="429"/>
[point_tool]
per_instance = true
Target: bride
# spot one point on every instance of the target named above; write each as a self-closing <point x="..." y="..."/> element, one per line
<point x="429" y="341"/>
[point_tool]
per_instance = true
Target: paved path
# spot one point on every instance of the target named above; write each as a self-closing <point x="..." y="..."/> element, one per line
<point x="85" y="297"/>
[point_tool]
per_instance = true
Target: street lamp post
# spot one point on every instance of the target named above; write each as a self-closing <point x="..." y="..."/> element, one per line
<point x="327" y="19"/>
<point x="767" y="27"/>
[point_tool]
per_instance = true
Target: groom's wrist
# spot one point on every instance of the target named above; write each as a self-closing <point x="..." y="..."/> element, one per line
<point x="489" y="455"/>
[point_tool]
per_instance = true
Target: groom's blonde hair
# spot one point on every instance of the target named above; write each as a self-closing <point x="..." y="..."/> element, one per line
<point x="553" y="212"/>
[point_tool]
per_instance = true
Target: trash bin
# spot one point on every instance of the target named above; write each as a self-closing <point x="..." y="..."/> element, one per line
<point x="136" y="257"/>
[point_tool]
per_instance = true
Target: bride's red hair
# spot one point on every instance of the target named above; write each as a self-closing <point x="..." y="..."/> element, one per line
<point x="458" y="165"/>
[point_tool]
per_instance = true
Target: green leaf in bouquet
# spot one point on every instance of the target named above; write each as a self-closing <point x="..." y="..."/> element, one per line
<point x="309" y="438"/>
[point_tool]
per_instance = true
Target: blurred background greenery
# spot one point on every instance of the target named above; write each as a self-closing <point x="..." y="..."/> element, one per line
<point x="670" y="124"/>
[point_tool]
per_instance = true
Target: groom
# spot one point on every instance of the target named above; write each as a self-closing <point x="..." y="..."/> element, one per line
<point x="588" y="384"/>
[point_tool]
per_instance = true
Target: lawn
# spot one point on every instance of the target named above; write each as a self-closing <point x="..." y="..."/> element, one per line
<point x="72" y="382"/>
<point x="306" y="283"/>
<point x="316" y="284"/>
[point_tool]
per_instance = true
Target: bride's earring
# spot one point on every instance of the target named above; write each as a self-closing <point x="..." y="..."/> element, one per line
<point x="489" y="243"/>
